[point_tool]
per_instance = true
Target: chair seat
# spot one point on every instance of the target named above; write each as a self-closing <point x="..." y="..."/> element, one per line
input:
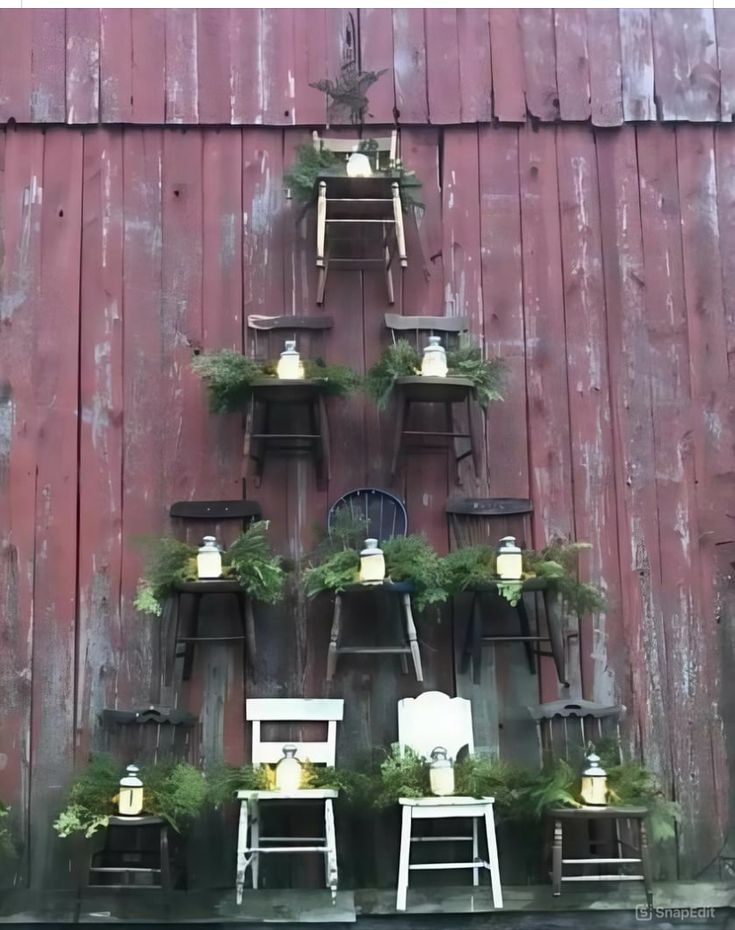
<point x="610" y="811"/>
<point x="303" y="794"/>
<point x="452" y="800"/>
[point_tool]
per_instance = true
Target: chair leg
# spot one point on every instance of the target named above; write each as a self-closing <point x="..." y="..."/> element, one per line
<point x="475" y="853"/>
<point x="389" y="274"/>
<point x="492" y="857"/>
<point x="398" y="217"/>
<point x="322" y="283"/>
<point x="556" y="634"/>
<point x="404" y="858"/>
<point x="242" y="847"/>
<point x="401" y="418"/>
<point x="321" y="223"/>
<point x="556" y="850"/>
<point x="526" y="631"/>
<point x="165" y="860"/>
<point x="331" y="844"/>
<point x="255" y="832"/>
<point x="250" y="646"/>
<point x="189" y="647"/>
<point x="412" y="638"/>
<point x="333" y="653"/>
<point x="645" y="860"/>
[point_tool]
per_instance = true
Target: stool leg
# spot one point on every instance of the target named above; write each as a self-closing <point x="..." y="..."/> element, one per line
<point x="401" y="418"/>
<point x="556" y="859"/>
<point x="331" y="844"/>
<point x="165" y="861"/>
<point x="645" y="860"/>
<point x="468" y="633"/>
<point x="242" y="851"/>
<point x="334" y="638"/>
<point x="475" y="853"/>
<point x="526" y="631"/>
<point x="247" y="621"/>
<point x="404" y="858"/>
<point x="476" y="639"/>
<point x="492" y="856"/>
<point x="412" y="638"/>
<point x="189" y="651"/>
<point x="403" y="656"/>
<point x="556" y="634"/>
<point x="255" y="842"/>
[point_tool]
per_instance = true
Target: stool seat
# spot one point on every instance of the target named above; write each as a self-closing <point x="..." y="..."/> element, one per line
<point x="131" y="857"/>
<point x="610" y="811"/>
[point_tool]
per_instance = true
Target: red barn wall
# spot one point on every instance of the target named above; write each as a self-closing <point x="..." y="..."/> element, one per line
<point x="598" y="262"/>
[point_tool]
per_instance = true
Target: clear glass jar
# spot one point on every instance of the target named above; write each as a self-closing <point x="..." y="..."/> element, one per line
<point x="434" y="361"/>
<point x="290" y="366"/>
<point x="209" y="559"/>
<point x="372" y="563"/>
<point x="288" y="771"/>
<point x="509" y="562"/>
<point x="441" y="772"/>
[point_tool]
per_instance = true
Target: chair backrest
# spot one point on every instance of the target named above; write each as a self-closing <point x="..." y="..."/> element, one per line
<point x="294" y="710"/>
<point x="385" y="155"/>
<point x="565" y="728"/>
<point x="384" y="512"/>
<point x="452" y="330"/>
<point x="208" y="516"/>
<point x="268" y="334"/>
<point x="149" y="734"/>
<point x="485" y="520"/>
<point x="434" y="719"/>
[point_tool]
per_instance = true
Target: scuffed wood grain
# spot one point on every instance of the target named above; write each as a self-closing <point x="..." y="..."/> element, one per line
<point x="182" y="66"/>
<point x="409" y="62"/>
<point x="539" y="61"/>
<point x="214" y="66"/>
<point x="442" y="66"/>
<point x="572" y="64"/>
<point x="725" y="30"/>
<point x="606" y="79"/>
<point x="636" y="44"/>
<point x="475" y="66"/>
<point x="509" y="99"/>
<point x="16" y="42"/>
<point x="48" y="66"/>
<point x="116" y="66"/>
<point x="82" y="66"/>
<point x="376" y="54"/>
<point x="686" y="67"/>
<point x="149" y="90"/>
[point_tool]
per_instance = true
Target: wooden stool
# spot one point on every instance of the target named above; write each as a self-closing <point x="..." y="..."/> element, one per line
<point x="399" y="590"/>
<point x="131" y="857"/>
<point x="638" y="815"/>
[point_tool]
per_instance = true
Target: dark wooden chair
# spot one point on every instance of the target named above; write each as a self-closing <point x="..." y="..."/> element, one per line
<point x="360" y="220"/>
<point x="484" y="521"/>
<point x="386" y="519"/>
<point x="135" y="855"/>
<point x="209" y="517"/>
<point x="615" y="836"/>
<point x="287" y="417"/>
<point x="149" y="733"/>
<point x="413" y="391"/>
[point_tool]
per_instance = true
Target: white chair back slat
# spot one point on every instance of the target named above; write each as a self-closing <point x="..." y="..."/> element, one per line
<point x="386" y="144"/>
<point x="434" y="719"/>
<point x="294" y="710"/>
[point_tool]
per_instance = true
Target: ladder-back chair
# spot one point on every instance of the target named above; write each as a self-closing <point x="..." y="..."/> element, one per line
<point x="431" y="720"/>
<point x="484" y="521"/>
<point x="383" y="512"/>
<point x="565" y="730"/>
<point x="287" y="417"/>
<point x="360" y="219"/>
<point x="414" y="390"/>
<point x="251" y="843"/>
<point x="220" y="519"/>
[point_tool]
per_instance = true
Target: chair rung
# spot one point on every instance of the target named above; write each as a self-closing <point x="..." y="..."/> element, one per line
<point x="428" y="866"/>
<point x="441" y="839"/>
<point x="208" y="639"/>
<point x="596" y="861"/>
<point x="121" y="868"/>
<point x="292" y="839"/>
<point x="603" y="878"/>
<point x="374" y="650"/>
<point x="291" y="849"/>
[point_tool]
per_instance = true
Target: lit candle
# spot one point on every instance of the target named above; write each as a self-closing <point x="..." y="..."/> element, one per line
<point x="358" y="166"/>
<point x="290" y="366"/>
<point x="441" y="772"/>
<point x="209" y="559"/>
<point x="434" y="361"/>
<point x="509" y="562"/>
<point x="288" y="771"/>
<point x="130" y="799"/>
<point x="372" y="563"/>
<point x="594" y="782"/>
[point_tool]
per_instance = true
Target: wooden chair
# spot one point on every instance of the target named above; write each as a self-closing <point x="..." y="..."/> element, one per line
<point x="484" y="521"/>
<point x="287" y="417"/>
<point x="360" y="220"/>
<point x="135" y="855"/>
<point x="251" y="843"/>
<point x="149" y="733"/>
<point x="386" y="518"/>
<point x="430" y="720"/>
<point x="565" y="729"/>
<point x="445" y="393"/>
<point x="209" y="517"/>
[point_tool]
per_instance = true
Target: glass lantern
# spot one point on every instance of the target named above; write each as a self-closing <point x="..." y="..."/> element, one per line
<point x="509" y="562"/>
<point x="290" y="367"/>
<point x="209" y="559"/>
<point x="288" y="771"/>
<point x="594" y="782"/>
<point x="434" y="361"/>
<point x="372" y="563"/>
<point x="441" y="772"/>
<point x="358" y="166"/>
<point x="130" y="798"/>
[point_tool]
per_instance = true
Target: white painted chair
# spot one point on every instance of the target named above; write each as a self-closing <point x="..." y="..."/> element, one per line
<point x="430" y="720"/>
<point x="250" y="843"/>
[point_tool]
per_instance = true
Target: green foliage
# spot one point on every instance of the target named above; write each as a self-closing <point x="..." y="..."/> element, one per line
<point x="401" y="775"/>
<point x="469" y="566"/>
<point x="411" y="558"/>
<point x="555" y="786"/>
<point x="229" y="377"/>
<point x="225" y="780"/>
<point x="401" y="360"/>
<point x="632" y="783"/>
<point x="337" y="572"/>
<point x="310" y="163"/>
<point x="174" y="791"/>
<point x="487" y="375"/>
<point x="7" y="846"/>
<point x="249" y="559"/>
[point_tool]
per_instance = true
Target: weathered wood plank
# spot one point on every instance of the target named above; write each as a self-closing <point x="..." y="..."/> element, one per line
<point x="48" y="66"/>
<point x="725" y="172"/>
<point x="539" y="61"/>
<point x="310" y="65"/>
<point x="82" y="66"/>
<point x="409" y="62"/>
<point x="21" y="183"/>
<point x="475" y="66"/>
<point x="376" y="54"/>
<point x="550" y="454"/>
<point x="725" y="30"/>
<point x="589" y="388"/>
<point x="149" y="79"/>
<point x="341" y="47"/>
<point x="636" y="44"/>
<point x="572" y="64"/>
<point x="182" y="73"/>
<point x="685" y="61"/>
<point x="56" y="386"/>
<point x="100" y="636"/>
<point x="16" y="42"/>
<point x="214" y="66"/>
<point x="276" y="43"/>
<point x="606" y="79"/>
<point x="116" y="66"/>
<point x="245" y="67"/>
<point x="509" y="98"/>
<point x="442" y="72"/>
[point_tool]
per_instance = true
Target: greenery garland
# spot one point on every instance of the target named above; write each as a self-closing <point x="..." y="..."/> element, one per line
<point x="402" y="360"/>
<point x="229" y="377"/>
<point x="557" y="562"/>
<point x="175" y="791"/>
<point x="310" y="162"/>
<point x="407" y="558"/>
<point x="249" y="560"/>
